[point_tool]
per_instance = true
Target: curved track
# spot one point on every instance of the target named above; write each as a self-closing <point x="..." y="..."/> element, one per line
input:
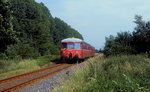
<point x="22" y="80"/>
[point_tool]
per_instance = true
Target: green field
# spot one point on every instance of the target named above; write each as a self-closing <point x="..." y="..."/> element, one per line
<point x="114" y="74"/>
<point x="16" y="66"/>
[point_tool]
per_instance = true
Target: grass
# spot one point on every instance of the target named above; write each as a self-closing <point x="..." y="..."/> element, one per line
<point x="13" y="67"/>
<point x="114" y="74"/>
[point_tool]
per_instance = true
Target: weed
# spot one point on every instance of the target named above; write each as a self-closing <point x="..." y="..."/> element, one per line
<point x="114" y="74"/>
<point x="12" y="67"/>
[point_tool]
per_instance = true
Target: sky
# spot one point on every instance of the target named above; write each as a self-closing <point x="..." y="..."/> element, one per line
<point x="97" y="19"/>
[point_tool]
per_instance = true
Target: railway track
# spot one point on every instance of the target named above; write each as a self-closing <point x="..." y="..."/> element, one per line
<point x="22" y="80"/>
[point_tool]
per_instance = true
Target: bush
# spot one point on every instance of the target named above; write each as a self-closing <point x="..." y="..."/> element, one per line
<point x="21" y="50"/>
<point x="54" y="49"/>
<point x="3" y="56"/>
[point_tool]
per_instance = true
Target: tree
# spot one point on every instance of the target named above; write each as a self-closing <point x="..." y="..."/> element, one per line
<point x="121" y="44"/>
<point x="111" y="46"/>
<point x="127" y="43"/>
<point x="141" y="35"/>
<point x="7" y="34"/>
<point x="33" y="21"/>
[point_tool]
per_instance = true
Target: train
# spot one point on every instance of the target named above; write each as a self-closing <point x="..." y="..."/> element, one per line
<point x="75" y="48"/>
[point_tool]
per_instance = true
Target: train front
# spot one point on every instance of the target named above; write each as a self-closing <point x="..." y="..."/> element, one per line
<point x="71" y="48"/>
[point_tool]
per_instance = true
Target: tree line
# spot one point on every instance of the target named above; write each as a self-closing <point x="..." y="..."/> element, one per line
<point x="28" y="30"/>
<point x="130" y="43"/>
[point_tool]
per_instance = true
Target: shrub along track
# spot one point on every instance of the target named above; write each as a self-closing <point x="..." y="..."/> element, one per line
<point x="17" y="82"/>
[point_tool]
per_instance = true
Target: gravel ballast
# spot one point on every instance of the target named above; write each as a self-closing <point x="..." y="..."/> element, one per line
<point x="48" y="84"/>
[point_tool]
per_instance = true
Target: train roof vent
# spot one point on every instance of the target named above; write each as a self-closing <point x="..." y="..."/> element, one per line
<point x="72" y="40"/>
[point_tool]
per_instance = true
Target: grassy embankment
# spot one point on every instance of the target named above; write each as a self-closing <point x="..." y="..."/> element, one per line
<point x="13" y="67"/>
<point x="114" y="74"/>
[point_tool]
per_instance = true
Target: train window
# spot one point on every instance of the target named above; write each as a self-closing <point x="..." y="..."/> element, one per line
<point x="77" y="45"/>
<point x="64" y="45"/>
<point x="70" y="45"/>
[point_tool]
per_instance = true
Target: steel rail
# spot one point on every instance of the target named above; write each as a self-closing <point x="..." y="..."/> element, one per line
<point x="29" y="82"/>
<point x="12" y="83"/>
<point x="16" y="77"/>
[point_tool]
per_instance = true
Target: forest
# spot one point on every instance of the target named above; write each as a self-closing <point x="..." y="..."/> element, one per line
<point x="28" y="30"/>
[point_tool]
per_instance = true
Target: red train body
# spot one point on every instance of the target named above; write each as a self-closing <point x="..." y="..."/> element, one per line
<point x="76" y="48"/>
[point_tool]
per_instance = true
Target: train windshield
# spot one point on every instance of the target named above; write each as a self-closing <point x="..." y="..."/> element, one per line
<point x="64" y="45"/>
<point x="77" y="45"/>
<point x="71" y="45"/>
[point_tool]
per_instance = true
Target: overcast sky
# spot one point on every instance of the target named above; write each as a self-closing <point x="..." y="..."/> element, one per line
<point x="97" y="19"/>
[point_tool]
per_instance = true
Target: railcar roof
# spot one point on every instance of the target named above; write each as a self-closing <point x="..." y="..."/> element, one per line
<point x="72" y="40"/>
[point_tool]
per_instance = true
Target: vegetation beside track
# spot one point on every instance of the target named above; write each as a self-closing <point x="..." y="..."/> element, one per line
<point x="16" y="66"/>
<point x="114" y="74"/>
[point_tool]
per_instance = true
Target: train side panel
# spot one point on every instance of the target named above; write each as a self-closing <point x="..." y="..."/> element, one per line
<point x="87" y="50"/>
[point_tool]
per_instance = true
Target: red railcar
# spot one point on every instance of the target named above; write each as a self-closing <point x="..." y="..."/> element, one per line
<point x="76" y="48"/>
